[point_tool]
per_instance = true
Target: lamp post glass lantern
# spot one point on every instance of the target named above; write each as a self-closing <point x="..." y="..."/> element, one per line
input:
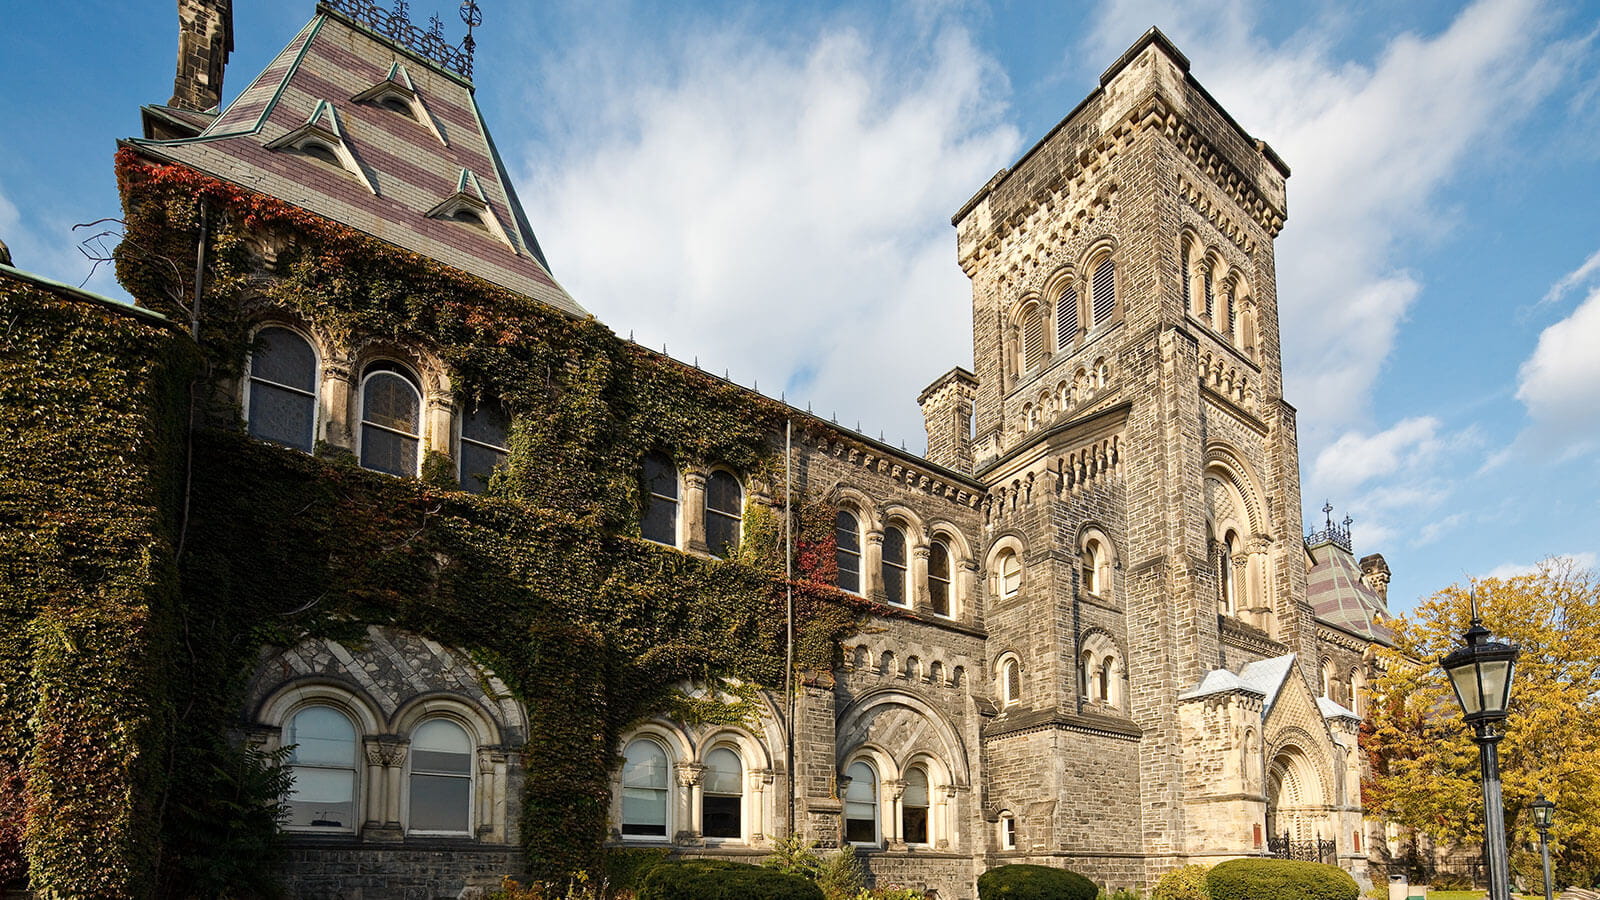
<point x="1544" y="815"/>
<point x="1481" y="672"/>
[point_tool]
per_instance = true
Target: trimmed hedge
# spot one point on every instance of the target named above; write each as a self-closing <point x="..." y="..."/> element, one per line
<point x="1280" y="879"/>
<point x="715" y="879"/>
<point x="1027" y="882"/>
<point x="1183" y="883"/>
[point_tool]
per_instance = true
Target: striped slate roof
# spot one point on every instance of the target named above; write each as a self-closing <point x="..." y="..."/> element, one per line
<point x="394" y="169"/>
<point x="1341" y="599"/>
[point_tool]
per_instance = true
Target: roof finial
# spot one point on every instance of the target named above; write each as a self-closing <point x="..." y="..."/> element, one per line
<point x="1327" y="513"/>
<point x="473" y="16"/>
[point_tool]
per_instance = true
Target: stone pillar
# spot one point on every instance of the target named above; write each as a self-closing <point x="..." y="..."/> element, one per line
<point x="690" y="776"/>
<point x="921" y="600"/>
<point x="872" y="567"/>
<point x="757" y="780"/>
<point x="893" y="792"/>
<point x="439" y="424"/>
<point x="693" y="511"/>
<point x="205" y="38"/>
<point x="338" y="403"/>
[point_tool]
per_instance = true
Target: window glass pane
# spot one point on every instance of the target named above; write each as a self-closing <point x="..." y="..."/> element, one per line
<point x="723" y="494"/>
<point x="644" y="765"/>
<point x="321" y="798"/>
<point x="724" y="507"/>
<point x="644" y="811"/>
<point x="283" y="357"/>
<point x="391" y="401"/>
<point x="660" y="523"/>
<point x="863" y="788"/>
<point x="894" y="565"/>
<point x="440" y="802"/>
<point x="914" y="824"/>
<point x="916" y="793"/>
<point x="721" y="817"/>
<point x="385" y="451"/>
<point x="861" y="805"/>
<point x="939" y="578"/>
<point x="477" y="464"/>
<point x="724" y="774"/>
<point x="283" y="416"/>
<point x="487" y="424"/>
<point x="322" y="736"/>
<point x="847" y="539"/>
<point x="441" y="740"/>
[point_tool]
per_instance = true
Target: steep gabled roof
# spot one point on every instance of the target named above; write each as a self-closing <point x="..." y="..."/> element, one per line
<point x="1339" y="597"/>
<point x="394" y="166"/>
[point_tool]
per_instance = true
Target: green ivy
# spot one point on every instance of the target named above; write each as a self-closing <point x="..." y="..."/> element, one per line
<point x="127" y="661"/>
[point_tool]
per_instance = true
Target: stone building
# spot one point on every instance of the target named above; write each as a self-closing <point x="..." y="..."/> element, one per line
<point x="1102" y="642"/>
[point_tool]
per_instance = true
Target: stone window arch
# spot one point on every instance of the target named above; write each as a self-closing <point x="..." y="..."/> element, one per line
<point x="280" y="391"/>
<point x="894" y="568"/>
<point x="1096" y="562"/>
<point x="1008" y="679"/>
<point x="1236" y="527"/>
<point x="1006" y="569"/>
<point x="1358" y="691"/>
<point x="647" y="769"/>
<point x="1101" y="673"/>
<point x="847" y="549"/>
<point x="439" y="796"/>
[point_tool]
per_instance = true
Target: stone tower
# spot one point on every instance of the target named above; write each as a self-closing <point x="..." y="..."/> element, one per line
<point x="1141" y="461"/>
<point x="205" y="38"/>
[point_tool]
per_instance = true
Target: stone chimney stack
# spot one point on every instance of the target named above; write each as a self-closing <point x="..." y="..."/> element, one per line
<point x="205" y="38"/>
<point x="947" y="412"/>
<point x="1375" y="575"/>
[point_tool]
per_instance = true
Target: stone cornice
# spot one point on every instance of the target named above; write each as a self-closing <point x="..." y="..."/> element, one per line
<point x="897" y="468"/>
<point x="1013" y="723"/>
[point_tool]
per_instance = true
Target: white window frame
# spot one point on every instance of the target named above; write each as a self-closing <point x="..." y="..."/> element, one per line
<point x="669" y="816"/>
<point x="316" y="382"/>
<point x="877" y="803"/>
<point x="357" y="800"/>
<point x="415" y="382"/>
<point x="471" y="778"/>
<point x="743" y="795"/>
<point x="462" y="440"/>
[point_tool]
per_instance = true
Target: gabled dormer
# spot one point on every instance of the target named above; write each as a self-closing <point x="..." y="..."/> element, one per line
<point x="470" y="207"/>
<point x="322" y="137"/>
<point x="399" y="95"/>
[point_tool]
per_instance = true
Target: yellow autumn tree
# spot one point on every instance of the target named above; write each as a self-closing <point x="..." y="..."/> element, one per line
<point x="1424" y="763"/>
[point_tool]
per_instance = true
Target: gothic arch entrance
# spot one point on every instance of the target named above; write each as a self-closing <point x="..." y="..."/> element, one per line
<point x="1297" y="807"/>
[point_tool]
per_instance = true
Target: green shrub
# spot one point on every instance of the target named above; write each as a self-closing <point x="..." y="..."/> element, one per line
<point x="840" y="875"/>
<point x="1120" y="894"/>
<point x="1025" y="882"/>
<point x="1182" y="883"/>
<point x="1279" y="879"/>
<point x="626" y="869"/>
<point x="709" y="879"/>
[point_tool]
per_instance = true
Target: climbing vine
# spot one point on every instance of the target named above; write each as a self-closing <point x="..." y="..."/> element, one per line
<point x="544" y="579"/>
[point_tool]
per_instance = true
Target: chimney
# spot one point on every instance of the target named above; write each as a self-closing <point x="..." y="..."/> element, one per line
<point x="205" y="38"/>
<point x="1375" y="575"/>
<point x="947" y="412"/>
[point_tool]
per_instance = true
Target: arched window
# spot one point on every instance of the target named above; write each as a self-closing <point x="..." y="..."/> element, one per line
<point x="1358" y="691"/>
<point x="1010" y="682"/>
<point x="894" y="565"/>
<point x="1008" y="830"/>
<point x="483" y="444"/>
<point x="1008" y="573"/>
<point x="847" y="550"/>
<point x="323" y="766"/>
<point x="1227" y="585"/>
<point x="939" y="577"/>
<point x="441" y="779"/>
<point x="391" y="417"/>
<point x="861" y="805"/>
<point x="1230" y="297"/>
<point x="283" y="389"/>
<point x="1066" y="318"/>
<point x="1105" y="291"/>
<point x="1093" y="567"/>
<point x="1107" y="673"/>
<point x="1209" y="273"/>
<point x="722" y="795"/>
<point x="1033" y="337"/>
<point x="724" y="513"/>
<point x="660" y="523"/>
<point x="1185" y="272"/>
<point x="914" y="807"/>
<point x="644" y="790"/>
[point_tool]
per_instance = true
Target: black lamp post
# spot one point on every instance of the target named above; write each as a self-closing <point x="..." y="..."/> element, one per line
<point x="1544" y="813"/>
<point x="1481" y="674"/>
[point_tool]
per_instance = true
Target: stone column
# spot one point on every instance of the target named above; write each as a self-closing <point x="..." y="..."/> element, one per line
<point x="690" y="777"/>
<point x="758" y="779"/>
<point x="893" y="791"/>
<point x="872" y="567"/>
<point x="921" y="600"/>
<point x="439" y="424"/>
<point x="964" y="603"/>
<point x="489" y="795"/>
<point x="693" y="511"/>
<point x="337" y="403"/>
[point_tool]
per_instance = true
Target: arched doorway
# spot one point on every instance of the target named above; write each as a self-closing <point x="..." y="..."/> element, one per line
<point x="1297" y="810"/>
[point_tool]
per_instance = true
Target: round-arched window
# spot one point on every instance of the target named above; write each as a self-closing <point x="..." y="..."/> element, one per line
<point x="939" y="577"/>
<point x="894" y="565"/>
<point x="644" y="790"/>
<point x="323" y="765"/>
<point x="861" y="805"/>
<point x="722" y="795"/>
<point x="391" y="420"/>
<point x="847" y="550"/>
<point x="914" y="807"/>
<point x="441" y="779"/>
<point x="724" y="513"/>
<point x="283" y="389"/>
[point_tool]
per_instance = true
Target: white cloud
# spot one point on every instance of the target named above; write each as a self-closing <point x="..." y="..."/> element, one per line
<point x="1575" y="278"/>
<point x="781" y="209"/>
<point x="1372" y="146"/>
<point x="1560" y="384"/>
<point x="1584" y="560"/>
<point x="1356" y="458"/>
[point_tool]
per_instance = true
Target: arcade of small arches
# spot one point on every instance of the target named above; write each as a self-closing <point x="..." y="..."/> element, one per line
<point x="389" y="403"/>
<point x="1217" y="294"/>
<point x="890" y="554"/>
<point x="1078" y="301"/>
<point x="1236" y="542"/>
<point x="1068" y="394"/>
<point x="677" y="785"/>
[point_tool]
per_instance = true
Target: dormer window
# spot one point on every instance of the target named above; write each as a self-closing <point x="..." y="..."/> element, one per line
<point x="394" y="104"/>
<point x="322" y="138"/>
<point x="469" y="206"/>
<point x="320" y="151"/>
<point x="396" y="94"/>
<point x="468" y="217"/>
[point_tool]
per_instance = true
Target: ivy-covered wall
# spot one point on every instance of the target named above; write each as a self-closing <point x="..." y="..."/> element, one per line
<point x="92" y="402"/>
<point x="125" y="662"/>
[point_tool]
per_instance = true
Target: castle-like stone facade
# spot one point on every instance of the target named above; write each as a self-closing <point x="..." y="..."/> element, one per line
<point x="1112" y="647"/>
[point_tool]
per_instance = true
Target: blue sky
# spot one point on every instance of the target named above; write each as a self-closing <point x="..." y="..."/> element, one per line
<point x="768" y="187"/>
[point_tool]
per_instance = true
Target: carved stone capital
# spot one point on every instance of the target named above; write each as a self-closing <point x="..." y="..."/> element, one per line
<point x="689" y="774"/>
